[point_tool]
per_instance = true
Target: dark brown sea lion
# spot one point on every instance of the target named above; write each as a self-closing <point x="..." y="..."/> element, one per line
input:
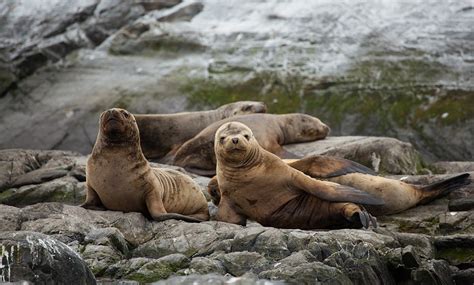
<point x="271" y="131"/>
<point x="397" y="195"/>
<point x="160" y="133"/>
<point x="119" y="178"/>
<point x="256" y="184"/>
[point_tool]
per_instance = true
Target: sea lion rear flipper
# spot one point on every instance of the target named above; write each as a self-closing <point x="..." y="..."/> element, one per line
<point x="333" y="192"/>
<point x="444" y="187"/>
<point x="320" y="166"/>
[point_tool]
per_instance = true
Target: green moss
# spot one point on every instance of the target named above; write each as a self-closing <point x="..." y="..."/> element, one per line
<point x="152" y="272"/>
<point x="281" y="94"/>
<point x="456" y="255"/>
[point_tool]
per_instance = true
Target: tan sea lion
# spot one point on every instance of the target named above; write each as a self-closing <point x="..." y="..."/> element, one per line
<point x="119" y="178"/>
<point x="256" y="184"/>
<point x="397" y="195"/>
<point x="160" y="133"/>
<point x="271" y="131"/>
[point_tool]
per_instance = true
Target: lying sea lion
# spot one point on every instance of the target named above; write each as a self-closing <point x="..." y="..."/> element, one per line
<point x="256" y="184"/>
<point x="159" y="134"/>
<point x="119" y="178"/>
<point x="397" y="195"/>
<point x="271" y="131"/>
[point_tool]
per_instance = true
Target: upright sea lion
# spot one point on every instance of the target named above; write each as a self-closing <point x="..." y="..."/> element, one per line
<point x="258" y="185"/>
<point x="271" y="131"/>
<point x="119" y="178"/>
<point x="159" y="134"/>
<point x="397" y="195"/>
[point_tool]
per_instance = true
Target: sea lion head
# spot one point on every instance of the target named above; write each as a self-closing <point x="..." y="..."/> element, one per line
<point x="243" y="107"/>
<point x="304" y="128"/>
<point x="235" y="143"/>
<point x="118" y="126"/>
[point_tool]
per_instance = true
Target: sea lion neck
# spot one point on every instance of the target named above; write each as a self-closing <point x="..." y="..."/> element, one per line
<point x="252" y="158"/>
<point x="129" y="148"/>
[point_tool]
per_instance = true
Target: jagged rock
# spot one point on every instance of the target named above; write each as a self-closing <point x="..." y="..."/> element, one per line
<point x="239" y="263"/>
<point x="215" y="279"/>
<point x="465" y="204"/>
<point x="39" y="258"/>
<point x="456" y="249"/>
<point x="384" y="155"/>
<point x="446" y="167"/>
<point x="10" y="219"/>
<point x="464" y="277"/>
<point x="33" y="176"/>
<point x="130" y="246"/>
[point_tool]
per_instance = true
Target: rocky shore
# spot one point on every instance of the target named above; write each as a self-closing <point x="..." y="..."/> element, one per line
<point x="41" y="226"/>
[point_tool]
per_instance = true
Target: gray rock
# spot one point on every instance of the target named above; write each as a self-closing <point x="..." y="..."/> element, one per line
<point x="465" y="204"/>
<point x="203" y="265"/>
<point x="384" y="155"/>
<point x="10" y="218"/>
<point x="159" y="269"/>
<point x="39" y="259"/>
<point x="446" y="167"/>
<point x="239" y="263"/>
<point x="215" y="279"/>
<point x="308" y="273"/>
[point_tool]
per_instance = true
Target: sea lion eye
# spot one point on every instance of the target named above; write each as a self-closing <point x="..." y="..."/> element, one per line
<point x="125" y="114"/>
<point x="247" y="137"/>
<point x="221" y="140"/>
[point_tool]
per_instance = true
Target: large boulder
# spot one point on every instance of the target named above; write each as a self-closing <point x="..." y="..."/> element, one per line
<point x="382" y="154"/>
<point x="40" y="259"/>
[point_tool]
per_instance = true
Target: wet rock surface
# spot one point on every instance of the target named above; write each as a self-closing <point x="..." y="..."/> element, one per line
<point x="429" y="244"/>
<point x="39" y="258"/>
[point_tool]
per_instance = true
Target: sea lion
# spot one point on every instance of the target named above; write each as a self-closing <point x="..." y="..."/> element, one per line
<point x="271" y="131"/>
<point x="256" y="184"/>
<point x="119" y="178"/>
<point x="160" y="133"/>
<point x="397" y="195"/>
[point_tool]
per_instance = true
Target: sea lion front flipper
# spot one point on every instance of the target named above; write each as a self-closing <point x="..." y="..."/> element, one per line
<point x="320" y="166"/>
<point x="330" y="191"/>
<point x="92" y="200"/>
<point x="214" y="191"/>
<point x="226" y="213"/>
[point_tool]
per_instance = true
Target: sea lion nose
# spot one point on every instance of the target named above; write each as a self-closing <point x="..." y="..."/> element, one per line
<point x="235" y="140"/>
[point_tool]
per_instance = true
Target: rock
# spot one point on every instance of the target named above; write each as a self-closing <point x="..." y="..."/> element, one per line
<point x="239" y="263"/>
<point x="461" y="204"/>
<point x="203" y="265"/>
<point x="435" y="272"/>
<point x="456" y="249"/>
<point x="447" y="167"/>
<point x="33" y="176"/>
<point x="215" y="279"/>
<point x="159" y="269"/>
<point x="309" y="273"/>
<point x="464" y="277"/>
<point x="38" y="258"/>
<point x="10" y="219"/>
<point x="41" y="33"/>
<point x="66" y="190"/>
<point x="180" y="13"/>
<point x="384" y="155"/>
<point x="379" y="81"/>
